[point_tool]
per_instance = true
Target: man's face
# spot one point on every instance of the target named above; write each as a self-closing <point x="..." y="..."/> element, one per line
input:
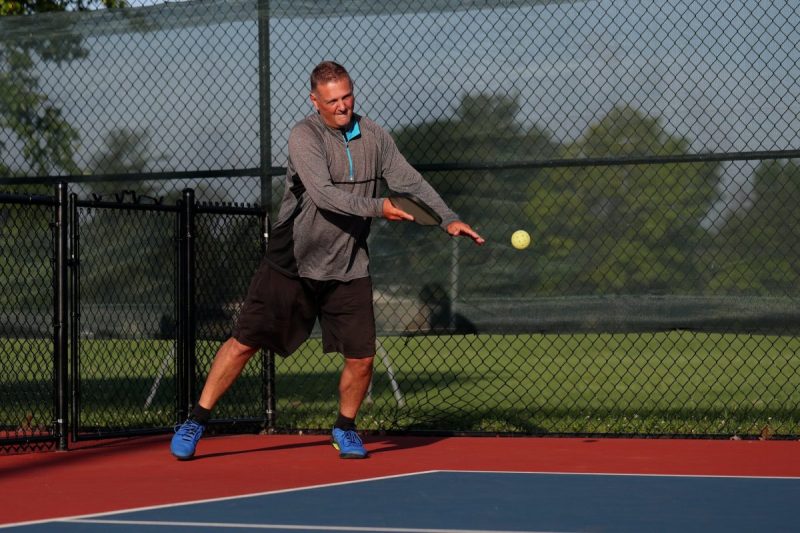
<point x="334" y="101"/>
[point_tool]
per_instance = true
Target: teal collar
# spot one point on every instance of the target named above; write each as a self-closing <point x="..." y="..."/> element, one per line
<point x="353" y="132"/>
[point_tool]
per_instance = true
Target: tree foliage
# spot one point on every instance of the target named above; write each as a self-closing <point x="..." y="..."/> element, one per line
<point x="28" y="118"/>
<point x="627" y="229"/>
<point x="757" y="251"/>
<point x="484" y="130"/>
<point x="28" y="7"/>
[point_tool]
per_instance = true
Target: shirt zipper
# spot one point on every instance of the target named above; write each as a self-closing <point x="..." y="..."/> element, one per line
<point x="349" y="156"/>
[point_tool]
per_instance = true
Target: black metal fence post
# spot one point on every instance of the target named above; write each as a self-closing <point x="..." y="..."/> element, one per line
<point x="268" y="384"/>
<point x="60" y="323"/>
<point x="74" y="310"/>
<point x="186" y="363"/>
<point x="268" y="359"/>
<point x="265" y="148"/>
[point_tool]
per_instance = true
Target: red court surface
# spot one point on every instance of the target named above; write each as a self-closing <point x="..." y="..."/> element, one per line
<point x="122" y="474"/>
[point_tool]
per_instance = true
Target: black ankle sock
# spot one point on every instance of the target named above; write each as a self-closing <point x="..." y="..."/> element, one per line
<point x="200" y="414"/>
<point x="342" y="422"/>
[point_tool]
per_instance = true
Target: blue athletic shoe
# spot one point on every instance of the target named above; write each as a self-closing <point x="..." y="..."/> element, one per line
<point x="185" y="439"/>
<point x="348" y="443"/>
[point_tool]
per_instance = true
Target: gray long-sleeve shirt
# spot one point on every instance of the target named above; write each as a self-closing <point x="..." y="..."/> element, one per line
<point x="332" y="194"/>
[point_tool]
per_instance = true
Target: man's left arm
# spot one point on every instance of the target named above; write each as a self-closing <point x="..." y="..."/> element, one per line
<point x="402" y="177"/>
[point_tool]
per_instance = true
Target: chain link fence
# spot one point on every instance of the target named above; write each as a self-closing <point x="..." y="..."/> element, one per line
<point x="229" y="249"/>
<point x="26" y="349"/>
<point x="649" y="149"/>
<point x="123" y="356"/>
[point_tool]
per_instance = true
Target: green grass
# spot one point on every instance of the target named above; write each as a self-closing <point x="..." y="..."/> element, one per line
<point x="682" y="383"/>
<point x="663" y="383"/>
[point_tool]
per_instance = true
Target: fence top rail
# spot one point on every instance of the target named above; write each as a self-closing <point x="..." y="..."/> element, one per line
<point x="423" y="167"/>
<point x="230" y="209"/>
<point x="150" y="204"/>
<point x="141" y="176"/>
<point x="128" y="206"/>
<point x="27" y="199"/>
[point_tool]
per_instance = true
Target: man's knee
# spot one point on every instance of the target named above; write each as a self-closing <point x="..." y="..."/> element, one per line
<point x="361" y="365"/>
<point x="235" y="349"/>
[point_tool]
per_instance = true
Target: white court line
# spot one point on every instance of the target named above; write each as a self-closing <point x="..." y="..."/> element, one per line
<point x="612" y="474"/>
<point x="293" y="527"/>
<point x="210" y="500"/>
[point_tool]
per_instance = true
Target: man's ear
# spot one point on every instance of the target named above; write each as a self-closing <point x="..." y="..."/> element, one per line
<point x="313" y="99"/>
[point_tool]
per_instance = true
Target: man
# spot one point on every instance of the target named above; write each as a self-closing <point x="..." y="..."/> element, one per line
<point x="317" y="262"/>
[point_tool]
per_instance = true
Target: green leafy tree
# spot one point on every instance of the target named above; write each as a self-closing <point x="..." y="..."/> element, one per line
<point x="29" y="122"/>
<point x="757" y="251"/>
<point x="631" y="229"/>
<point x="27" y="7"/>
<point x="484" y="131"/>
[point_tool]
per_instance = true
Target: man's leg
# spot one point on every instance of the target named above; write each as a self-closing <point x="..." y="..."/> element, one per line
<point x="347" y="320"/>
<point x="353" y="385"/>
<point x="228" y="364"/>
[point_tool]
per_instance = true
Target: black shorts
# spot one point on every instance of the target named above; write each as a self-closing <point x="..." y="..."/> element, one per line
<point x="279" y="313"/>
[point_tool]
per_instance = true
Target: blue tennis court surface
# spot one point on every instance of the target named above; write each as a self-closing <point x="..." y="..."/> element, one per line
<point x="447" y="501"/>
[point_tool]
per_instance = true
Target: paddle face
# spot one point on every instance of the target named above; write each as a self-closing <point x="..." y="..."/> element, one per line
<point x="415" y="207"/>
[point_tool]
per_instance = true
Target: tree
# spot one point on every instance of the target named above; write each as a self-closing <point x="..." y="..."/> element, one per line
<point x="630" y="229"/>
<point x="484" y="131"/>
<point x="27" y="117"/>
<point x="756" y="252"/>
<point x="125" y="152"/>
<point x="30" y="120"/>
<point x="27" y="7"/>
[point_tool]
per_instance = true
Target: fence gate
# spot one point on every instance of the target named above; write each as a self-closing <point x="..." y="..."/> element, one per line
<point x="151" y="287"/>
<point x="123" y="308"/>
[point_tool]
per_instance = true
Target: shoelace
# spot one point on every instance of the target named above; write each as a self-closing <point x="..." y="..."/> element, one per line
<point x="352" y="438"/>
<point x="191" y="429"/>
